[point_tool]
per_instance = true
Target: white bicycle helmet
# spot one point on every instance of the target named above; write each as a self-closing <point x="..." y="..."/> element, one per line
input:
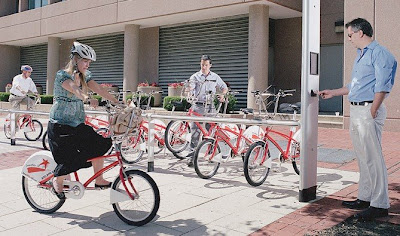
<point x="26" y="68"/>
<point x="83" y="51"/>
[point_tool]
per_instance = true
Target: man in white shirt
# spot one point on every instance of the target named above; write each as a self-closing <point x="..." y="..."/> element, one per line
<point x="21" y="85"/>
<point x="203" y="82"/>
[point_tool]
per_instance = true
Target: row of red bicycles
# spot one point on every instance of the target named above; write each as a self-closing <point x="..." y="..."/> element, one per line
<point x="134" y="194"/>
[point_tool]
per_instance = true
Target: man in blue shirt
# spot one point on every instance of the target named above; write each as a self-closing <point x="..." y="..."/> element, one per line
<point x="372" y="80"/>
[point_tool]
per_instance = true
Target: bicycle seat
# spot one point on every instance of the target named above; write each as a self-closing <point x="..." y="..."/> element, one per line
<point x="247" y="110"/>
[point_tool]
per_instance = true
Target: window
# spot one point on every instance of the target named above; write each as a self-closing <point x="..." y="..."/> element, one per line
<point x="37" y="3"/>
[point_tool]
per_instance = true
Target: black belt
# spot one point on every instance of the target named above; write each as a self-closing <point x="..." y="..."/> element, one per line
<point x="200" y="103"/>
<point x="15" y="95"/>
<point x="361" y="103"/>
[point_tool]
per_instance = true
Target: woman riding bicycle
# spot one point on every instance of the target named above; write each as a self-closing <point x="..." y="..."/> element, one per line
<point x="72" y="142"/>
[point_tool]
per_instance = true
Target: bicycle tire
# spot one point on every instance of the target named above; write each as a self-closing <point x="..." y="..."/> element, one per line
<point x="45" y="141"/>
<point x="204" y="167"/>
<point x="130" y="152"/>
<point x="7" y="130"/>
<point x="35" y="134"/>
<point x="40" y="198"/>
<point x="255" y="173"/>
<point x="295" y="151"/>
<point x="174" y="136"/>
<point x="144" y="207"/>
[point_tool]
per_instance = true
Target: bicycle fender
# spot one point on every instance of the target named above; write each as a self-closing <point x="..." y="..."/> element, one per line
<point x="39" y="165"/>
<point x="120" y="196"/>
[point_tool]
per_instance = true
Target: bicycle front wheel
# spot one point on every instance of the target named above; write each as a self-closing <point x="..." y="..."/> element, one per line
<point x="33" y="130"/>
<point x="7" y="129"/>
<point x="39" y="197"/>
<point x="143" y="208"/>
<point x="256" y="168"/>
<point x="176" y="137"/>
<point x="205" y="159"/>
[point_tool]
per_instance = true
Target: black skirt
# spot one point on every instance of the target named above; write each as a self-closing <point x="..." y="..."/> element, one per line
<point x="73" y="146"/>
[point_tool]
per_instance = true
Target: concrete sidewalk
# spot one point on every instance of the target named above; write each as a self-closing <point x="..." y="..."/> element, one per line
<point x="223" y="205"/>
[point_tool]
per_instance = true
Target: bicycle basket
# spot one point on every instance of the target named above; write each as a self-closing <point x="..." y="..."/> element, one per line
<point x="120" y="121"/>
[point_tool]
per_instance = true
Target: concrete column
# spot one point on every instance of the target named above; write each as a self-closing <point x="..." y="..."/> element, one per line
<point x="23" y="5"/>
<point x="131" y="57"/>
<point x="258" y="50"/>
<point x="65" y="51"/>
<point x="53" y="59"/>
<point x="10" y="67"/>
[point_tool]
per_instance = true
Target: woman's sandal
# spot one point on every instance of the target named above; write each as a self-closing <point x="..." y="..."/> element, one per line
<point x="59" y="195"/>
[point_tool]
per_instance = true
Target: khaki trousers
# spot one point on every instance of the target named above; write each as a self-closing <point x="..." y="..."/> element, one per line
<point x="366" y="135"/>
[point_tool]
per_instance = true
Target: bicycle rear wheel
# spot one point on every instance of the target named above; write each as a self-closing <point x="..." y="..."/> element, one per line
<point x="7" y="129"/>
<point x="176" y="137"/>
<point x="205" y="156"/>
<point x="143" y="208"/>
<point x="33" y="130"/>
<point x="295" y="151"/>
<point x="256" y="168"/>
<point x="45" y="141"/>
<point x="39" y="197"/>
<point x="132" y="149"/>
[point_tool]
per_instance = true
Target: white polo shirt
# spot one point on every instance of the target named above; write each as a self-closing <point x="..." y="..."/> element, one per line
<point x="25" y="84"/>
<point x="200" y="84"/>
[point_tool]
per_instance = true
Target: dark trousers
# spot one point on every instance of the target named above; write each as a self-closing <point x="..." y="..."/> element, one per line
<point x="73" y="146"/>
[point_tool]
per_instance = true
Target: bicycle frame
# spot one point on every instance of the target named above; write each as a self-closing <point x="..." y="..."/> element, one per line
<point x="23" y="119"/>
<point x="115" y="163"/>
<point x="221" y="134"/>
<point x="144" y="130"/>
<point x="89" y="121"/>
<point x="285" y="153"/>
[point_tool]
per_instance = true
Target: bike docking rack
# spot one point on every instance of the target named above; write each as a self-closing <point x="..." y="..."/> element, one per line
<point x="40" y="113"/>
<point x="150" y="117"/>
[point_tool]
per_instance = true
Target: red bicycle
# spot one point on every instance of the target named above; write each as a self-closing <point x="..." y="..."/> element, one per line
<point x="257" y="162"/>
<point x="178" y="134"/>
<point x="135" y="146"/>
<point x="134" y="195"/>
<point x="32" y="128"/>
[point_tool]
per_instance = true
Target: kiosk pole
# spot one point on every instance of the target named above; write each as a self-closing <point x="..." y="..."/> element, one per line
<point x="309" y="99"/>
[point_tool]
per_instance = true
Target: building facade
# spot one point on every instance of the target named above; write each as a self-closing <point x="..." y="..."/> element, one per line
<point x="253" y="43"/>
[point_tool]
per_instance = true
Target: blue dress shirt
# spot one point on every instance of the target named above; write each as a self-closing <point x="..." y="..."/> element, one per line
<point x="373" y="71"/>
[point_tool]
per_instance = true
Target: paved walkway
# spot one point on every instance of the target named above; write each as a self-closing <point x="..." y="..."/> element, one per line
<point x="222" y="205"/>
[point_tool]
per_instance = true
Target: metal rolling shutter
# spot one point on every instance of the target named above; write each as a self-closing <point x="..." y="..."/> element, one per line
<point x="36" y="56"/>
<point x="109" y="64"/>
<point x="226" y="41"/>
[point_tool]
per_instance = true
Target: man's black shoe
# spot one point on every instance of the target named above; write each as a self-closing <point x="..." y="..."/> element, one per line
<point x="371" y="213"/>
<point x="357" y="204"/>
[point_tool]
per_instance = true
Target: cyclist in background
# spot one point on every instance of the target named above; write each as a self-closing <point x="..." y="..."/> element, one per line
<point x="200" y="84"/>
<point x="21" y="85"/>
<point x="72" y="142"/>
